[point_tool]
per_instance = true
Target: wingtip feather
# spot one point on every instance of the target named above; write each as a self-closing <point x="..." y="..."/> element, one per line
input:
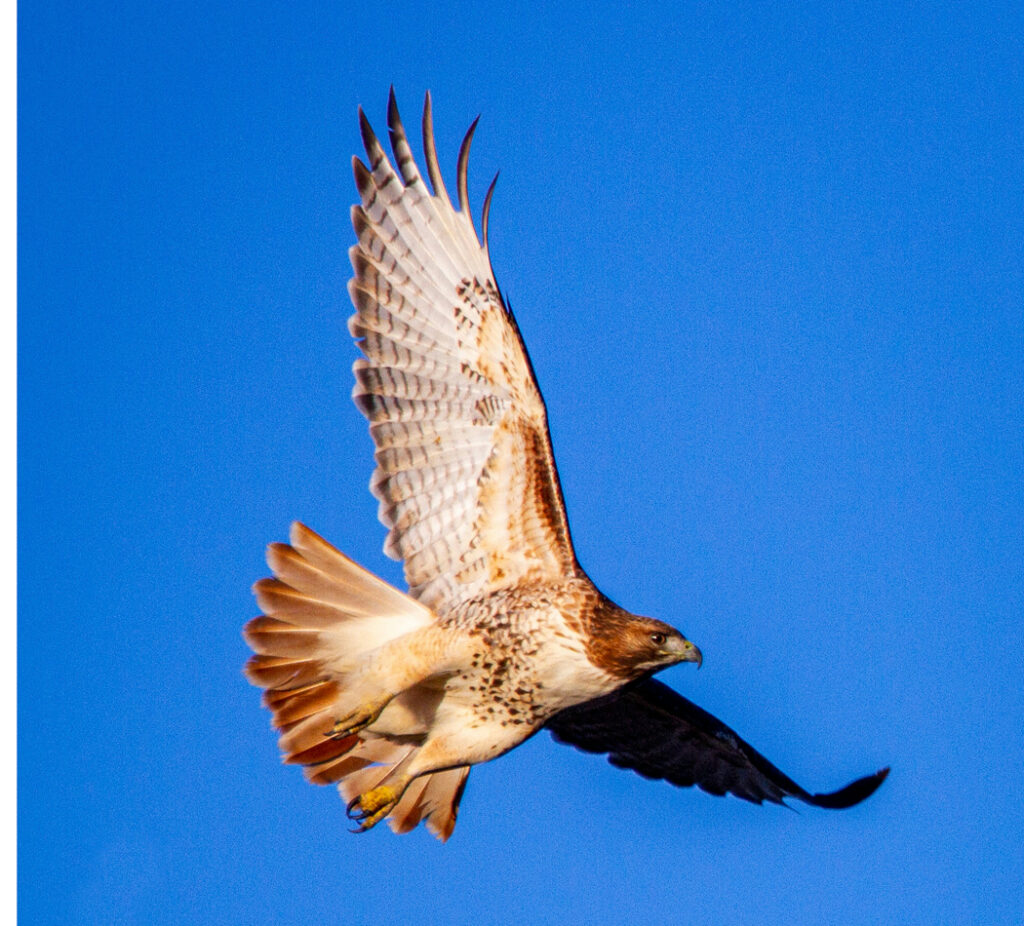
<point x="462" y="169"/>
<point x="487" y="208"/>
<point x="371" y="143"/>
<point x="430" y="152"/>
<point x="853" y="793"/>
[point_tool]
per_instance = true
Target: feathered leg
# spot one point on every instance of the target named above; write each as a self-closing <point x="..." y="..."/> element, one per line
<point x="430" y="652"/>
<point x="459" y="738"/>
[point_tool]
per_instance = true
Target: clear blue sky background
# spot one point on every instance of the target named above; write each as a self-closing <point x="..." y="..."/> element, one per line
<point x="769" y="265"/>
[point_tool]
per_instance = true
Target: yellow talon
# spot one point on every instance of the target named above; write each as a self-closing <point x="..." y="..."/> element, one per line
<point x="377" y="798"/>
<point x="355" y="721"/>
<point x="370" y="808"/>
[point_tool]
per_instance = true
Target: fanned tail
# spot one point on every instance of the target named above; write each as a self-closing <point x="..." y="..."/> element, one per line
<point x="322" y="612"/>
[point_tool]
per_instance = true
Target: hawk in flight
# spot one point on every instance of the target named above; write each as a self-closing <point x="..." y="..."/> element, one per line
<point x="394" y="696"/>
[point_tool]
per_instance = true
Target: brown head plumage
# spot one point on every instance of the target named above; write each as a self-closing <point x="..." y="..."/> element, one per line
<point x="629" y="646"/>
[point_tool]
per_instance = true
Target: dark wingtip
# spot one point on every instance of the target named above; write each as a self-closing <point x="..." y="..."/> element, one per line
<point x="853" y="793"/>
<point x="430" y="151"/>
<point x="366" y="131"/>
<point x="487" y="206"/>
<point x="462" y="168"/>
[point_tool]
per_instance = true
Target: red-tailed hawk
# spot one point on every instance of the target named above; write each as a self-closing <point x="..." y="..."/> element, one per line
<point x="394" y="696"/>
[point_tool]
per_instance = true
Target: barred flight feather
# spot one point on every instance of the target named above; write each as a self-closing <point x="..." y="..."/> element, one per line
<point x="476" y="506"/>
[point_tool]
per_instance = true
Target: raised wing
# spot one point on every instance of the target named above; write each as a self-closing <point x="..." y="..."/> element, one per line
<point x="651" y="729"/>
<point x="465" y="475"/>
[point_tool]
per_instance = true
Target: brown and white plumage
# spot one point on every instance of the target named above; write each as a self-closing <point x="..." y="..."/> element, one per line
<point x="395" y="696"/>
<point x="465" y="474"/>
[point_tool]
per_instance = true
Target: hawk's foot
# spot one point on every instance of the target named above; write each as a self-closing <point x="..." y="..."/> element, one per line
<point x="367" y="810"/>
<point x="357" y="720"/>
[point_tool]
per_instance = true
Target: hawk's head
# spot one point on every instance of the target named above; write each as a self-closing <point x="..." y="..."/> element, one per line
<point x="629" y="646"/>
<point x="652" y="645"/>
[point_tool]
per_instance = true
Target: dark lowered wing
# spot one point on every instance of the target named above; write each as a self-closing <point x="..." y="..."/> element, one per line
<point x="651" y="729"/>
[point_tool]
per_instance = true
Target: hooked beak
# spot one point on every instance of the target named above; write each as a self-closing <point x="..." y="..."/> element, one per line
<point x="684" y="651"/>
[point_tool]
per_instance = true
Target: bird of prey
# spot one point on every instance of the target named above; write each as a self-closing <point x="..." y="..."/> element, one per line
<point x="392" y="695"/>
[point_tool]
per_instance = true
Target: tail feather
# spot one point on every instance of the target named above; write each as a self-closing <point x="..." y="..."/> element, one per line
<point x="409" y="812"/>
<point x="321" y="613"/>
<point x="325" y="751"/>
<point x="291" y="605"/>
<point x="298" y="574"/>
<point x="330" y="772"/>
<point x="435" y="801"/>
<point x="365" y="593"/>
<point x="305" y="702"/>
<point x="444" y="795"/>
<point x="366" y="749"/>
<point x="273" y="637"/>
<point x="280" y="671"/>
<point x="304" y="734"/>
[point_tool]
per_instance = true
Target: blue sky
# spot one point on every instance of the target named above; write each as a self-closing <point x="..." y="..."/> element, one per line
<point x="769" y="266"/>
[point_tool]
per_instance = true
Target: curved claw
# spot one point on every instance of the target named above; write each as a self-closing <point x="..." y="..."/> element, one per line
<point x="367" y="810"/>
<point x="355" y="721"/>
<point x="355" y="814"/>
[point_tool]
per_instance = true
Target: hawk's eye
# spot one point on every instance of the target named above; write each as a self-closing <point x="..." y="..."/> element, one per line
<point x="658" y="639"/>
